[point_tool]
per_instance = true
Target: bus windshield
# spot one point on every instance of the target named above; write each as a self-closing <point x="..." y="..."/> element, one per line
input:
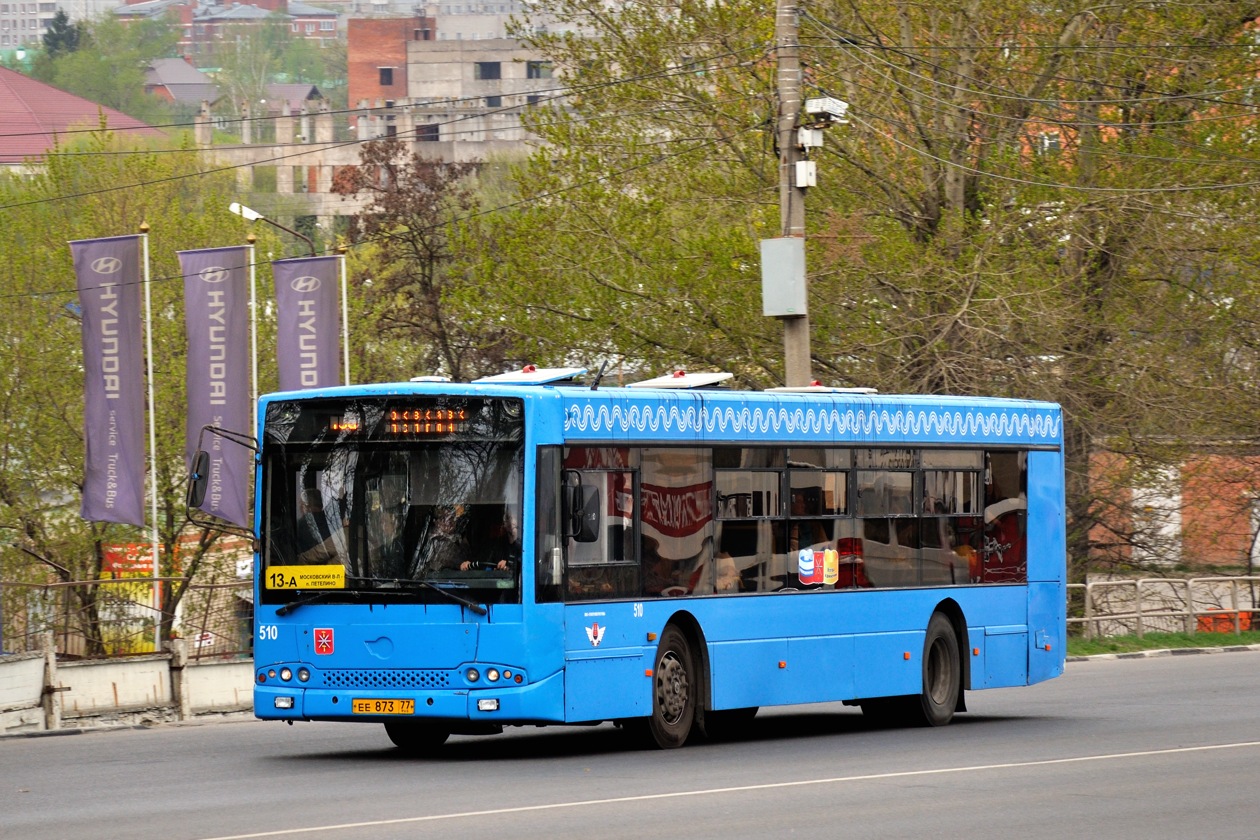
<point x="415" y="495"/>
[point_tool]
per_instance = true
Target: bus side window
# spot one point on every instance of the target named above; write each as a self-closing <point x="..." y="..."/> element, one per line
<point x="1005" y="519"/>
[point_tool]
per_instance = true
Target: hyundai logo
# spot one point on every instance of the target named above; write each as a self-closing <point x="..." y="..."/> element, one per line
<point x="304" y="285"/>
<point x="213" y="274"/>
<point x="107" y="265"/>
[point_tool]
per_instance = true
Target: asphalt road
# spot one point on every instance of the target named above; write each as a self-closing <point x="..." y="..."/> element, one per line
<point x="1147" y="748"/>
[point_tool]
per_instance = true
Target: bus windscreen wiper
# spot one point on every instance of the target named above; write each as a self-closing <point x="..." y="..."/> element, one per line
<point x="312" y="598"/>
<point x="399" y="583"/>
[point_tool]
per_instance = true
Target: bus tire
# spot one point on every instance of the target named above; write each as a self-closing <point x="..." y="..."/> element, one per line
<point x="417" y="738"/>
<point x="942" y="673"/>
<point x="673" y="691"/>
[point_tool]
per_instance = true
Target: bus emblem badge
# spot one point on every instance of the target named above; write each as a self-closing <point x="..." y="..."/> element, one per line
<point x="323" y="640"/>
<point x="595" y="633"/>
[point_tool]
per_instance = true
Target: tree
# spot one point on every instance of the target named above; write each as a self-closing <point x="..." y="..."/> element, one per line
<point x="411" y="204"/>
<point x="1049" y="202"/>
<point x="63" y="37"/>
<point x="108" y="62"/>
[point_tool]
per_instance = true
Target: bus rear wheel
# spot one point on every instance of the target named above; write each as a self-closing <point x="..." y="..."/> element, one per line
<point x="942" y="673"/>
<point x="673" y="691"/>
<point x="417" y="738"/>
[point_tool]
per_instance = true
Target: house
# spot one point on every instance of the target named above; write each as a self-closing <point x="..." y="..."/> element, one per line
<point x="36" y="116"/>
<point x="175" y="80"/>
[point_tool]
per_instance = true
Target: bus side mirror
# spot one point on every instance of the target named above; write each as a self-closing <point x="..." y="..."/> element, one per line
<point x="581" y="504"/>
<point x="198" y="477"/>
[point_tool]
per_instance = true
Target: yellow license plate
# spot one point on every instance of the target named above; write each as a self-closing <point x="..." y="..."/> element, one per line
<point x="371" y="706"/>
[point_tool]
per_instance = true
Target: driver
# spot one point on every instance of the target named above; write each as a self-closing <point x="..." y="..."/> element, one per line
<point x="500" y="548"/>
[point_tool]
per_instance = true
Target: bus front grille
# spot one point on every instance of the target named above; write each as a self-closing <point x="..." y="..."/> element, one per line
<point x="369" y="678"/>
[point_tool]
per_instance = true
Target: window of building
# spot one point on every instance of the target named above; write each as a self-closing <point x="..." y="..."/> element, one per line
<point x="387" y="76"/>
<point x="494" y="101"/>
<point x="487" y="70"/>
<point x="538" y="69"/>
<point x="327" y="25"/>
<point x="532" y="99"/>
<point x="427" y="133"/>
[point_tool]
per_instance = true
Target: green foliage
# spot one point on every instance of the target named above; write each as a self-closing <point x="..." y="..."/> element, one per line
<point x="271" y="53"/>
<point x="108" y="63"/>
<point x="1051" y="203"/>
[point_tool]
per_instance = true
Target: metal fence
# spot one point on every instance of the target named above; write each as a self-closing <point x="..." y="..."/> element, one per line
<point x="1117" y="607"/>
<point x="110" y="618"/>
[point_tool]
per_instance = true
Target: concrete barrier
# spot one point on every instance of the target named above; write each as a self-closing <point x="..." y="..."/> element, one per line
<point x="40" y="693"/>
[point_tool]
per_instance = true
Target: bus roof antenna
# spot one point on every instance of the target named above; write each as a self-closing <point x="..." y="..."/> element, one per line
<point x="599" y="375"/>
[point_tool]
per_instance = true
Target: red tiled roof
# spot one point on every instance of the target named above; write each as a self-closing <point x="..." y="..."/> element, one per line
<point x="33" y="115"/>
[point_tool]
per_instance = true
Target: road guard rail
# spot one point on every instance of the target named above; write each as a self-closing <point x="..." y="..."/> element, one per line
<point x="1136" y="606"/>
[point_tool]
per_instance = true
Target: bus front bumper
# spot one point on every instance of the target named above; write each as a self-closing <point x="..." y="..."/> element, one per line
<point x="539" y="702"/>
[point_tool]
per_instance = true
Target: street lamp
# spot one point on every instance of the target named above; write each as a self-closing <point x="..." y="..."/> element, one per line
<point x="254" y="216"/>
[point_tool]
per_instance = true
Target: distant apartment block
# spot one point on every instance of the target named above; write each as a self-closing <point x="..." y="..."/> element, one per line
<point x="23" y="24"/>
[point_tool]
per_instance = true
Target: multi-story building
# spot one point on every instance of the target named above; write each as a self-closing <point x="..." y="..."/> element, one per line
<point x="24" y="24"/>
<point x="455" y="99"/>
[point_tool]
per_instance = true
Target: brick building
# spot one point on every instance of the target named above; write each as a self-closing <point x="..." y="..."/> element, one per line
<point x="376" y="55"/>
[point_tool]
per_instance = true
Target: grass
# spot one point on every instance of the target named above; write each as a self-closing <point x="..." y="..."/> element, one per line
<point x="1159" y="641"/>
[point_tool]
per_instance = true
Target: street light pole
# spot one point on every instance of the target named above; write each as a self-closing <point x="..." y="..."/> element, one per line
<point x="796" y="352"/>
<point x="254" y="216"/>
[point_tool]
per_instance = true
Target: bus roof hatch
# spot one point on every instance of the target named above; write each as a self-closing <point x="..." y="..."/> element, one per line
<point x="682" y="379"/>
<point x="530" y="375"/>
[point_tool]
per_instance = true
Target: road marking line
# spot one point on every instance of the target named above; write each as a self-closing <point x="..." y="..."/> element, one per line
<point x="586" y="803"/>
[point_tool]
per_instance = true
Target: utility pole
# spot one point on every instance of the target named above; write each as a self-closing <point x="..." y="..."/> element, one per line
<point x="796" y="353"/>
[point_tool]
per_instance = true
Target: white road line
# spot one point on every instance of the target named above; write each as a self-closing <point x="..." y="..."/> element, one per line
<point x="587" y="803"/>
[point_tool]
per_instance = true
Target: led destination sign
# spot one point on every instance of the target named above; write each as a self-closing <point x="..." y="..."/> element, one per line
<point x="421" y="422"/>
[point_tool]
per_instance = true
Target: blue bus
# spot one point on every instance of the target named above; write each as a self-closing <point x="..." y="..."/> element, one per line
<point x="526" y="549"/>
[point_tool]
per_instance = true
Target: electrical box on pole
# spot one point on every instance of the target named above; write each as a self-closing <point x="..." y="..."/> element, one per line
<point x="783" y="293"/>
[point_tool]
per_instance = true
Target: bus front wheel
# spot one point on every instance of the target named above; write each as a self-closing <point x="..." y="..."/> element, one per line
<point x="418" y="738"/>
<point x="673" y="691"/>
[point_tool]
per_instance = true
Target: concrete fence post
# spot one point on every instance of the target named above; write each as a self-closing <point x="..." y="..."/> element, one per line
<point x="179" y="679"/>
<point x="49" y="699"/>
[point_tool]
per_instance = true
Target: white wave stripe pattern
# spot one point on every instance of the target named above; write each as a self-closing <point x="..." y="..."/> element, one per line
<point x="1011" y="424"/>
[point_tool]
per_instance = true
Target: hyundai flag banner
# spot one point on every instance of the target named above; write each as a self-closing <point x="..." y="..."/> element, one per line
<point x="216" y="313"/>
<point x="306" y="316"/>
<point x="107" y="273"/>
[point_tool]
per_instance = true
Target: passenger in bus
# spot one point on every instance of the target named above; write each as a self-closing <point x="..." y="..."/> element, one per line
<point x="315" y="532"/>
<point x="728" y="578"/>
<point x="446" y="546"/>
<point x="660" y="574"/>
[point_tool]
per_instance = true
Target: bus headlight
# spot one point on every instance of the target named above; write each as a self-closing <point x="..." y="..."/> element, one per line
<point x="492" y="674"/>
<point x="303" y="674"/>
<point x="472" y="675"/>
<point x="286" y="674"/>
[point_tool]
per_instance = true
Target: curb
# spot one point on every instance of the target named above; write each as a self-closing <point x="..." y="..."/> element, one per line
<point x="1150" y="654"/>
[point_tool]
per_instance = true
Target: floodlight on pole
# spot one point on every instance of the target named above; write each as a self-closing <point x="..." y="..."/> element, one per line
<point x="254" y="216"/>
